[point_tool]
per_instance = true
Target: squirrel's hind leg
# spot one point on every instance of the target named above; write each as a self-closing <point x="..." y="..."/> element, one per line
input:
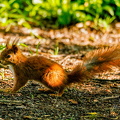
<point x="58" y="93"/>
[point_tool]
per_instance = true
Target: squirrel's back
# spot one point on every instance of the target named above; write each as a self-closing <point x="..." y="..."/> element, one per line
<point x="43" y="70"/>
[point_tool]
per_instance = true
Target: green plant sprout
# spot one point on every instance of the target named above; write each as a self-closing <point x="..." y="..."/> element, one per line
<point x="2" y="73"/>
<point x="37" y="47"/>
<point x="56" y="48"/>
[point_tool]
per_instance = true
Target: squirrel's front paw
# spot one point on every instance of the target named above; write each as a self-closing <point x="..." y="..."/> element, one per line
<point x="8" y="90"/>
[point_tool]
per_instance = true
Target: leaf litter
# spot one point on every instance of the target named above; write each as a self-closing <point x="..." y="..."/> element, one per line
<point x="97" y="99"/>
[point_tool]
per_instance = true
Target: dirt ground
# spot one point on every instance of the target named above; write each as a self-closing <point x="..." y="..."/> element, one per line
<point x="97" y="99"/>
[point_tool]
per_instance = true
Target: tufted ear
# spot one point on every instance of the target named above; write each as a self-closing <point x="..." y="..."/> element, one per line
<point x="15" y="41"/>
<point x="14" y="48"/>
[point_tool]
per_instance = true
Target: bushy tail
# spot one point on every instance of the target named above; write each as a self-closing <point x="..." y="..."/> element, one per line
<point x="94" y="62"/>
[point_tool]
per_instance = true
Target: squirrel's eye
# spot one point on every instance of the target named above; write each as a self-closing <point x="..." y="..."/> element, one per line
<point x="8" y="56"/>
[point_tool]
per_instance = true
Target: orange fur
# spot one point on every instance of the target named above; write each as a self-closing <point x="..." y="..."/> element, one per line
<point x="50" y="73"/>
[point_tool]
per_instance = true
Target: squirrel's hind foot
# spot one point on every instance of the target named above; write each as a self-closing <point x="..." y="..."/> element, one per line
<point x="58" y="94"/>
<point x="50" y="92"/>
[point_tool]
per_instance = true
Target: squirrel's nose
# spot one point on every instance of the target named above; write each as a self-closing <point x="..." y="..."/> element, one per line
<point x="0" y="61"/>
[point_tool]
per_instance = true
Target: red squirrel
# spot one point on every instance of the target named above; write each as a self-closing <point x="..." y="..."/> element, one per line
<point x="50" y="73"/>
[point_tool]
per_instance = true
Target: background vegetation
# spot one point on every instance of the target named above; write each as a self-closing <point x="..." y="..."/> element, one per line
<point x="58" y="13"/>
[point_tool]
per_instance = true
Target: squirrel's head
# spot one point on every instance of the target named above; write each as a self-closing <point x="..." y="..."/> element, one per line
<point x="10" y="53"/>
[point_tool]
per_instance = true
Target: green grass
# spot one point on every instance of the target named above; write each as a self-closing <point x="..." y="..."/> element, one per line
<point x="58" y="13"/>
<point x="2" y="47"/>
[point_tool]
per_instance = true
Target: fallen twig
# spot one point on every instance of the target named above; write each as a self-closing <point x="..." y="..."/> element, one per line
<point x="113" y="80"/>
<point x="112" y="97"/>
<point x="11" y="101"/>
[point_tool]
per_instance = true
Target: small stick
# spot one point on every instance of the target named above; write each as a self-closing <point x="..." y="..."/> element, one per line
<point x="3" y="66"/>
<point x="1" y="81"/>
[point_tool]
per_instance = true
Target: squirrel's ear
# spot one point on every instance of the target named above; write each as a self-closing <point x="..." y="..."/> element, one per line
<point x="14" y="45"/>
<point x="16" y="40"/>
<point x="14" y="48"/>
